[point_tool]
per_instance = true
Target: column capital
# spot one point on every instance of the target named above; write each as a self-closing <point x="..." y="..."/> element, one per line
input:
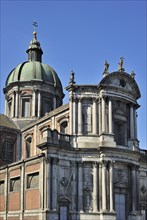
<point x="71" y="98"/>
<point x="75" y="99"/>
<point x="79" y="99"/>
<point x="55" y="160"/>
<point x="104" y="163"/>
<point x="47" y="159"/>
<point x="80" y="163"/>
<point x="134" y="167"/>
<point x="73" y="163"/>
<point x="95" y="99"/>
<point x="94" y="164"/>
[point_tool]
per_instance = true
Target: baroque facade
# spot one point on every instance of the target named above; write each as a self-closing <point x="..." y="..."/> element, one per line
<point x="75" y="161"/>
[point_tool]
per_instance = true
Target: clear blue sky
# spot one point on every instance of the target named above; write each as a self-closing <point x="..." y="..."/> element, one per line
<point x="79" y="36"/>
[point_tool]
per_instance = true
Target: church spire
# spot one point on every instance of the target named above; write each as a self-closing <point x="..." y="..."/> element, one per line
<point x="34" y="50"/>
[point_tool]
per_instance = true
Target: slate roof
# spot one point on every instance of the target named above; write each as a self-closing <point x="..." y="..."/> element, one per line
<point x="7" y="122"/>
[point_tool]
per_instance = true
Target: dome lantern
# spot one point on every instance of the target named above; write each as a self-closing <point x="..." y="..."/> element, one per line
<point x="34" y="50"/>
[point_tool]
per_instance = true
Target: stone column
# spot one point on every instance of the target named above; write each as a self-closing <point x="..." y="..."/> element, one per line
<point x="13" y="106"/>
<point x="100" y="187"/>
<point x="100" y="117"/>
<point x="16" y="104"/>
<point x="137" y="188"/>
<point x="6" y="107"/>
<point x="71" y="114"/>
<point x="48" y="184"/>
<point x="103" y="115"/>
<point x="74" y="186"/>
<point x="110" y="116"/>
<point x="135" y="124"/>
<point x="131" y="122"/>
<point x="111" y="185"/>
<point x="80" y="187"/>
<point x="6" y="192"/>
<point x="74" y="116"/>
<point x="104" y="186"/>
<point x="34" y="103"/>
<point x="39" y="104"/>
<point x="133" y="177"/>
<point x="54" y="183"/>
<point x="22" y="187"/>
<point x="79" y="116"/>
<point x="35" y="140"/>
<point x="94" y="117"/>
<point x="95" y="187"/>
<point x="41" y="183"/>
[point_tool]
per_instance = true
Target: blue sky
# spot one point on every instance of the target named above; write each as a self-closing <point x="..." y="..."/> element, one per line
<point x="79" y="36"/>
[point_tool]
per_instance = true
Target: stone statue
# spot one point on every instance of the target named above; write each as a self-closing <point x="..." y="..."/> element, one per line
<point x="132" y="74"/>
<point x="106" y="66"/>
<point x="120" y="64"/>
<point x="72" y="78"/>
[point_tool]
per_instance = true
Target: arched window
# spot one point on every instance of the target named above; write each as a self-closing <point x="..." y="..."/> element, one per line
<point x="64" y="127"/>
<point x="28" y="147"/>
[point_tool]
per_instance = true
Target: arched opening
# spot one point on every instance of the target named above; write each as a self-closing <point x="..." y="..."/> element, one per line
<point x="28" y="147"/>
<point x="64" y="127"/>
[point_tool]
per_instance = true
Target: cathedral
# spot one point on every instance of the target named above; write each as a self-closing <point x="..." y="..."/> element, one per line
<point x="75" y="161"/>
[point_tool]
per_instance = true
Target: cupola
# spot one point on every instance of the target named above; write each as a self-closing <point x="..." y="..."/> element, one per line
<point x="34" y="50"/>
<point x="32" y="88"/>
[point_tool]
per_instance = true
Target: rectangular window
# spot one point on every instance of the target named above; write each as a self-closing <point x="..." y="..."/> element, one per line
<point x="87" y="118"/>
<point x="26" y="107"/>
<point x="2" y="184"/>
<point x="15" y="184"/>
<point x="33" y="180"/>
<point x="7" y="150"/>
<point x="120" y="206"/>
<point x="47" y="106"/>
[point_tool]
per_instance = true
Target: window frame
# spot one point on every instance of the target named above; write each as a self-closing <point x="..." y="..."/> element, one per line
<point x="24" y="113"/>
<point x="29" y="177"/>
<point x="12" y="183"/>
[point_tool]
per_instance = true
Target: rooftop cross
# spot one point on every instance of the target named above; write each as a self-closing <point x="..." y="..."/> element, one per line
<point x="35" y="25"/>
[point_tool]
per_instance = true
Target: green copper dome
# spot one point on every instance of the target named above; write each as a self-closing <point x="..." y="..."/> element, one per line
<point x="34" y="71"/>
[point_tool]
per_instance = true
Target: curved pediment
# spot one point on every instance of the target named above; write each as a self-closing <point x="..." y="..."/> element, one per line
<point x="123" y="81"/>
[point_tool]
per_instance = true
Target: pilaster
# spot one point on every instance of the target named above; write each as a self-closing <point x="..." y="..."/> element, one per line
<point x="80" y="187"/>
<point x="94" y="121"/>
<point x="111" y="186"/>
<point x="39" y="104"/>
<point x="104" y="186"/>
<point x="54" y="183"/>
<point x="110" y="116"/>
<point x="95" y="187"/>
<point x="79" y="116"/>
